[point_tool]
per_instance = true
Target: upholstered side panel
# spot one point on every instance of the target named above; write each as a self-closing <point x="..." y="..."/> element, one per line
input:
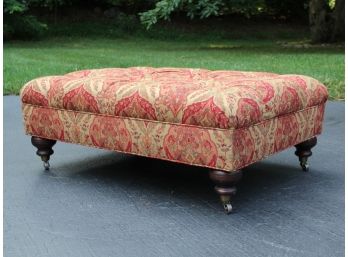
<point x="271" y="136"/>
<point x="225" y="149"/>
<point x="180" y="143"/>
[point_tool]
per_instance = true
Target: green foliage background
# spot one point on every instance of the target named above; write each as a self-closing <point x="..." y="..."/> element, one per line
<point x="28" y="19"/>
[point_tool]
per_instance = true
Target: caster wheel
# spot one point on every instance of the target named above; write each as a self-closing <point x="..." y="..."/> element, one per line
<point x="304" y="164"/>
<point x="46" y="165"/>
<point x="228" y="208"/>
<point x="305" y="167"/>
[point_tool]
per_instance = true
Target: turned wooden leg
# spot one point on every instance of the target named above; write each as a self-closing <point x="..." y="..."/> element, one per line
<point x="225" y="186"/>
<point x="44" y="149"/>
<point x="303" y="151"/>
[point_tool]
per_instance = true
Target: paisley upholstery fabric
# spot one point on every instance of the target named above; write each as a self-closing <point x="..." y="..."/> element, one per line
<point x="219" y="119"/>
<point x="215" y="99"/>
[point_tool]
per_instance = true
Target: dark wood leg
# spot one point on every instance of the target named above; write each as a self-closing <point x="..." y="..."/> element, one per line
<point x="44" y="149"/>
<point x="225" y="186"/>
<point x="303" y="151"/>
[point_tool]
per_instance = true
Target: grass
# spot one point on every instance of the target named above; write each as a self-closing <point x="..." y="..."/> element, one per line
<point x="60" y="54"/>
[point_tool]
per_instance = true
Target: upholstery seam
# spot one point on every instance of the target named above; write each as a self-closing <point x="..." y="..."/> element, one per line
<point x="171" y="123"/>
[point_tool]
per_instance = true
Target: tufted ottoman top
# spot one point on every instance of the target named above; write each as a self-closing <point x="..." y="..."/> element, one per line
<point x="215" y="99"/>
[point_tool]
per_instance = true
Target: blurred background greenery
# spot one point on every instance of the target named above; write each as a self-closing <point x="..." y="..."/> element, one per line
<point x="46" y="37"/>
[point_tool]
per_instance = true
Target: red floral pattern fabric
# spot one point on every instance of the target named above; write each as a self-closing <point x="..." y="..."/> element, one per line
<point x="214" y="99"/>
<point x="218" y="119"/>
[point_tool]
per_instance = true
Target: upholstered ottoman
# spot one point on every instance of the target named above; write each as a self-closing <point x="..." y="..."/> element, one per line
<point x="222" y="120"/>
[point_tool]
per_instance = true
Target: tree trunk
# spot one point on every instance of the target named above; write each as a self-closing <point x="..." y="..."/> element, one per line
<point x="318" y="20"/>
<point x="337" y="33"/>
<point x="326" y="25"/>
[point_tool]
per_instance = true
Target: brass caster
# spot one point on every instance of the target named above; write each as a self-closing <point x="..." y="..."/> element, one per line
<point x="228" y="208"/>
<point x="304" y="164"/>
<point x="46" y="165"/>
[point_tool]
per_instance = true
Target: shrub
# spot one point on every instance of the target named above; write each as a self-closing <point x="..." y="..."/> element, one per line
<point x="18" y="24"/>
